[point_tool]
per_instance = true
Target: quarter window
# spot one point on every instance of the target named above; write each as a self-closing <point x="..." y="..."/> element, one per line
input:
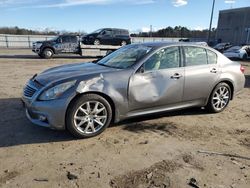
<point x="164" y="59"/>
<point x="195" y="56"/>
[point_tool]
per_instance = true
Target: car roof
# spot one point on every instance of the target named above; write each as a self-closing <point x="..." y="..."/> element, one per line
<point x="115" y="29"/>
<point x="162" y="44"/>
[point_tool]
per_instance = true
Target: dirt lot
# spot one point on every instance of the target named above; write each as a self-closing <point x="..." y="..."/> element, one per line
<point x="155" y="151"/>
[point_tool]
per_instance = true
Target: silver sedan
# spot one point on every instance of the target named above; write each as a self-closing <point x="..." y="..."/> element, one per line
<point x="135" y="80"/>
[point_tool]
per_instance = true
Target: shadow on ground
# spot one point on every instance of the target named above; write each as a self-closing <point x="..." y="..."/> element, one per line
<point x="247" y="84"/>
<point x="17" y="130"/>
<point x="138" y="124"/>
<point x="37" y="57"/>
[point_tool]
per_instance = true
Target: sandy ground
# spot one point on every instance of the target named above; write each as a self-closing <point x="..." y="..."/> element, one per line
<point x="154" y="151"/>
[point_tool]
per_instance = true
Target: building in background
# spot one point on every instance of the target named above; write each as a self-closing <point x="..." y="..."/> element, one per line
<point x="234" y="26"/>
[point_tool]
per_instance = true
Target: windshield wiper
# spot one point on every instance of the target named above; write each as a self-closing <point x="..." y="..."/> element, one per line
<point x="107" y="65"/>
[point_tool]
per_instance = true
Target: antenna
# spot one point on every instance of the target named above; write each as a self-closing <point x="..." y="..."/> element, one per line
<point x="231" y="2"/>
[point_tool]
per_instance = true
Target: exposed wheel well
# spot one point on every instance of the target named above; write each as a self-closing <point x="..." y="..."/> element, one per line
<point x="112" y="104"/>
<point x="231" y="87"/>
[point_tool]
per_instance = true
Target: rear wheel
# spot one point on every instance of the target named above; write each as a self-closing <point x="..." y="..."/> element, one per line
<point x="47" y="53"/>
<point x="220" y="98"/>
<point x="88" y="116"/>
<point x="123" y="43"/>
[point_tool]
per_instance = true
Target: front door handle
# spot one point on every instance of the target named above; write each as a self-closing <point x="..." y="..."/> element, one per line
<point x="176" y="76"/>
<point x="213" y="70"/>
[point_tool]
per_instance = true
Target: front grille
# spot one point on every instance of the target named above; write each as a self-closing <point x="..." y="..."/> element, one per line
<point x="29" y="91"/>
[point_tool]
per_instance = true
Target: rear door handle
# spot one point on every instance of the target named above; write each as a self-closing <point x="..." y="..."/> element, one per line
<point x="176" y="76"/>
<point x="213" y="70"/>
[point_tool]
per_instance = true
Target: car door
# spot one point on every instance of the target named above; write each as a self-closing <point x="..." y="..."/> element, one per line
<point x="74" y="44"/>
<point x="106" y="37"/>
<point x="201" y="73"/>
<point x="159" y="82"/>
<point x="66" y="44"/>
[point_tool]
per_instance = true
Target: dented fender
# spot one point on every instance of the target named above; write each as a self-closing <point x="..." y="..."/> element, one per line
<point x="113" y="88"/>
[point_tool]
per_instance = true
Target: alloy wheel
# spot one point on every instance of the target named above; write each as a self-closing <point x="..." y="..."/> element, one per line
<point x="90" y="117"/>
<point x="221" y="98"/>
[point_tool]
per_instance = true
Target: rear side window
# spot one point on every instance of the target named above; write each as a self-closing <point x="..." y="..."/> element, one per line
<point x="124" y="32"/>
<point x="211" y="57"/>
<point x="73" y="39"/>
<point x="195" y="56"/>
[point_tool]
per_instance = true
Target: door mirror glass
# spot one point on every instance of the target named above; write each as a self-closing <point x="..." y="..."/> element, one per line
<point x="141" y="70"/>
<point x="59" y="40"/>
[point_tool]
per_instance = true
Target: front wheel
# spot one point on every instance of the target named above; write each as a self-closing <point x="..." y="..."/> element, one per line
<point x="219" y="99"/>
<point x="88" y="116"/>
<point x="40" y="55"/>
<point x="97" y="42"/>
<point x="47" y="53"/>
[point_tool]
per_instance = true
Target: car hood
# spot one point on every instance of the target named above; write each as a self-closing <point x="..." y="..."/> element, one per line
<point x="90" y="35"/>
<point x="70" y="71"/>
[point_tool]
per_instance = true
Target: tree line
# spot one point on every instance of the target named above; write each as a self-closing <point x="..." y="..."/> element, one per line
<point x="177" y="31"/>
<point x="22" y="31"/>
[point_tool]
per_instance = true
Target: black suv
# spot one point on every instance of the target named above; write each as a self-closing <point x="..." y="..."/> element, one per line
<point x="108" y="36"/>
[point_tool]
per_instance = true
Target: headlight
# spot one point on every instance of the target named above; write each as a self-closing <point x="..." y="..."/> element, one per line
<point x="56" y="91"/>
<point x="38" y="45"/>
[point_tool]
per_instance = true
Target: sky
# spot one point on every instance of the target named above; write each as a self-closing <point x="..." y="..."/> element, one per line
<point x="134" y="15"/>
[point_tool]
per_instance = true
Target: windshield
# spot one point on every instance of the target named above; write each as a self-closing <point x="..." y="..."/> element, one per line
<point x="233" y="49"/>
<point x="219" y="45"/>
<point x="125" y="56"/>
<point x="54" y="38"/>
<point x="97" y="31"/>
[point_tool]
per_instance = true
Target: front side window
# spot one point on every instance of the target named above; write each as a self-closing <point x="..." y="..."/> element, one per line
<point x="107" y="32"/>
<point x="125" y="56"/>
<point x="195" y="56"/>
<point x="164" y="59"/>
<point x="66" y="39"/>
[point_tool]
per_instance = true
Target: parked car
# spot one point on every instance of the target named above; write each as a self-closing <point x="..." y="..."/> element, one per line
<point x="238" y="52"/>
<point x="65" y="44"/>
<point x="137" y="79"/>
<point x="108" y="36"/>
<point x="221" y="47"/>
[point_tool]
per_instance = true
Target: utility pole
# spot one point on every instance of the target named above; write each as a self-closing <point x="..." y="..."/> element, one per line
<point x="211" y="21"/>
<point x="151" y="30"/>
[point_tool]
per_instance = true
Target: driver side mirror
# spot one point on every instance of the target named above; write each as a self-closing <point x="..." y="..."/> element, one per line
<point x="59" y="40"/>
<point x="141" y="70"/>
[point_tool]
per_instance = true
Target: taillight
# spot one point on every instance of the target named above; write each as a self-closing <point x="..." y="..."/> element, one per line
<point x="242" y="69"/>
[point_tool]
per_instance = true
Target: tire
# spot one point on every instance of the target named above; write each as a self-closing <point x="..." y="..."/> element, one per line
<point x="88" y="116"/>
<point x="97" y="42"/>
<point x="109" y="52"/>
<point x="244" y="58"/>
<point x="219" y="98"/>
<point x="40" y="55"/>
<point x="123" y="43"/>
<point x="47" y="53"/>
